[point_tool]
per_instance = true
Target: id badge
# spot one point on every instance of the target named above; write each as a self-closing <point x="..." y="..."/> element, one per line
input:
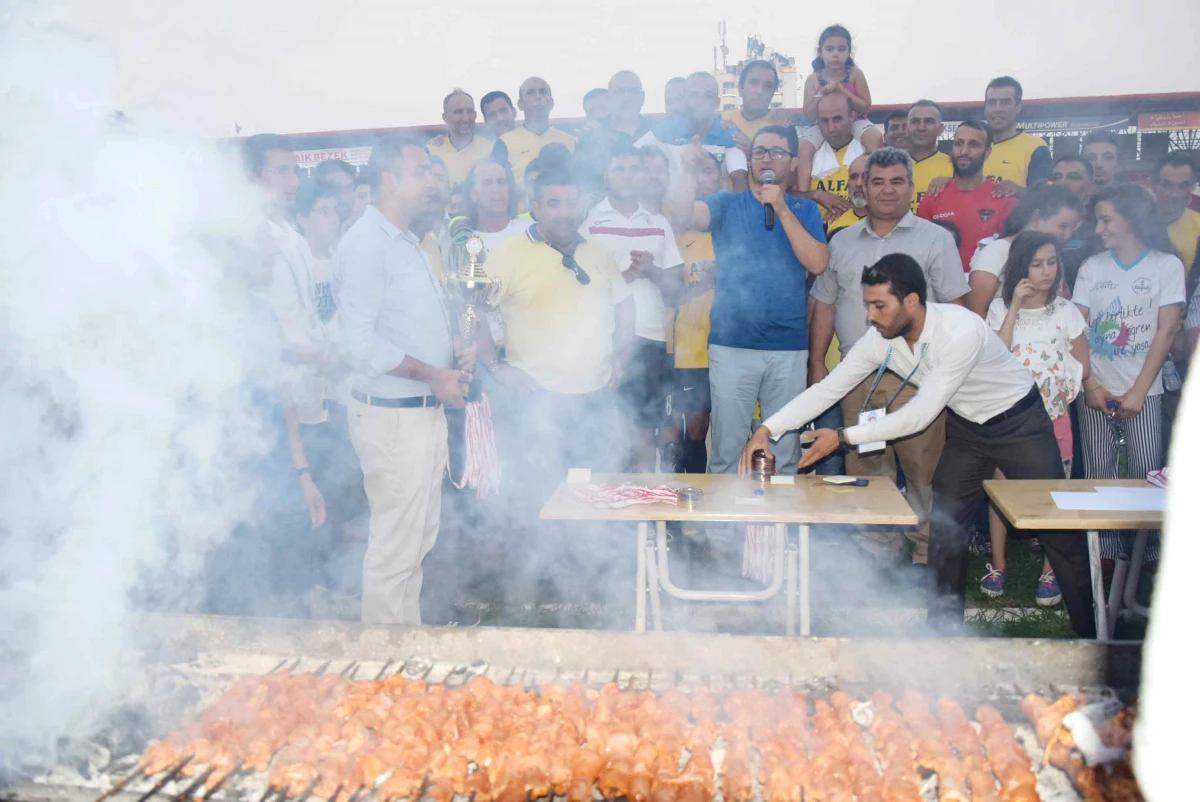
<point x="870" y="416"/>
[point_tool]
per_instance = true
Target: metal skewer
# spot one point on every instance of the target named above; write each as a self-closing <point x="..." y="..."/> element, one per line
<point x="172" y="774"/>
<point x="186" y="793"/>
<point x="119" y="784"/>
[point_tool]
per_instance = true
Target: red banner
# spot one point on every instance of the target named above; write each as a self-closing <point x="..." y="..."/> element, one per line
<point x="307" y="159"/>
<point x="1169" y="121"/>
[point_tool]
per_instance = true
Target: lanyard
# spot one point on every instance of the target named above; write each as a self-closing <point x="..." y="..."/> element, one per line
<point x="879" y="376"/>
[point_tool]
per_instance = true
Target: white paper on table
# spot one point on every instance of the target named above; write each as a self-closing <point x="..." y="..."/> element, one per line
<point x="1115" y="499"/>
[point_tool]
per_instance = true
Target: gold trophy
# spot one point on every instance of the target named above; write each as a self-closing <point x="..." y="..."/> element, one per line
<point x="471" y="287"/>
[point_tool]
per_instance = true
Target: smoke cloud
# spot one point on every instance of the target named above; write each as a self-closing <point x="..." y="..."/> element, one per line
<point x="124" y="362"/>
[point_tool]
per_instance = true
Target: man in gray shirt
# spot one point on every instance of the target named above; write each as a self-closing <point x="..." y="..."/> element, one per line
<point x="397" y="335"/>
<point x="889" y="227"/>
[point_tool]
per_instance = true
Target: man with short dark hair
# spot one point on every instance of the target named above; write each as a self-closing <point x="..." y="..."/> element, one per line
<point x="1101" y="149"/>
<point x="643" y="245"/>
<point x="624" y="126"/>
<point x="271" y="162"/>
<point x="674" y="103"/>
<point x="569" y="320"/>
<point x="924" y="130"/>
<point x="758" y="342"/>
<point x="994" y="419"/>
<point x="397" y="332"/>
<point x="895" y="129"/>
<point x="595" y="107"/>
<point x="498" y="113"/>
<point x="757" y="84"/>
<point x="522" y="144"/>
<point x="1174" y="183"/>
<point x="1074" y="173"/>
<point x="969" y="200"/>
<point x="460" y="148"/>
<point x="1018" y="159"/>
<point x="890" y="227"/>
<point x="339" y="175"/>
<point x="700" y="124"/>
<point x="830" y="182"/>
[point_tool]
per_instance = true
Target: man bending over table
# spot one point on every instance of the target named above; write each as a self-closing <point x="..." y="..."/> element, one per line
<point x="995" y="418"/>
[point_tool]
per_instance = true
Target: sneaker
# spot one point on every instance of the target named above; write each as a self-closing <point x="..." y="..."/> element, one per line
<point x="1048" y="592"/>
<point x="993" y="581"/>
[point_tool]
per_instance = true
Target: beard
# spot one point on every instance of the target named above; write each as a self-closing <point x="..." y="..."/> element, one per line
<point x="858" y="201"/>
<point x="974" y="167"/>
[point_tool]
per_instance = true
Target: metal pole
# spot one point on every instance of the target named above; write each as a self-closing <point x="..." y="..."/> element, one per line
<point x="1093" y="541"/>
<point x="639" y="620"/>
<point x="805" y="585"/>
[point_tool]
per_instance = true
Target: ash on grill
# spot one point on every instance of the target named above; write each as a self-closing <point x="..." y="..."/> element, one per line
<point x="293" y="736"/>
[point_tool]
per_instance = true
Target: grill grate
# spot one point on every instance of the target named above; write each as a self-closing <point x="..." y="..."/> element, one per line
<point x="252" y="786"/>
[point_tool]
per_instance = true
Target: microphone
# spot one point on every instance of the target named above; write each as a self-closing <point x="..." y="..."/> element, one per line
<point x="768" y="177"/>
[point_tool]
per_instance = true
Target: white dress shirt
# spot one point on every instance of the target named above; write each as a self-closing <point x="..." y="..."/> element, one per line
<point x="965" y="366"/>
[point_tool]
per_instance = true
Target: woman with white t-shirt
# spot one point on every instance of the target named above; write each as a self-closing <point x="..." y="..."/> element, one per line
<point x="1045" y="207"/>
<point x="1132" y="296"/>
<point x="1046" y="333"/>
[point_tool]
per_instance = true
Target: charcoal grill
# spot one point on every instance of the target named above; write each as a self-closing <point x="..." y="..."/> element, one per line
<point x="203" y="653"/>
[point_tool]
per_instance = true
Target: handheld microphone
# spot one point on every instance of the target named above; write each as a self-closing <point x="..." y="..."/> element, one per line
<point x="768" y="177"/>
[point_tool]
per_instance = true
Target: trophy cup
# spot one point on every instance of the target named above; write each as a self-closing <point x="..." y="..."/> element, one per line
<point x="471" y="287"/>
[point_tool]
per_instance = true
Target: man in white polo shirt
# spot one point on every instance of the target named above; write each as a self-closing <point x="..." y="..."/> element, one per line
<point x="643" y="245"/>
<point x="995" y="419"/>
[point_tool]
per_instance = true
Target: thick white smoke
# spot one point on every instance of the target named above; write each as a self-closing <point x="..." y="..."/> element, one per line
<point x="124" y="355"/>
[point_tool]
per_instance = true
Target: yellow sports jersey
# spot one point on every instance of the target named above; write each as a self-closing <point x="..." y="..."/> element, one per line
<point x="692" y="322"/>
<point x="1010" y="159"/>
<point x="459" y="162"/>
<point x="1184" y="232"/>
<point x="936" y="166"/>
<point x="524" y="146"/>
<point x="847" y="219"/>
<point x="748" y="127"/>
<point x="837" y="183"/>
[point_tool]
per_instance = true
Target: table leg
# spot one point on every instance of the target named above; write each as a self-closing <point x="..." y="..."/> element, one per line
<point x="652" y="557"/>
<point x="639" y="620"/>
<point x="805" y="607"/>
<point x="1114" y="591"/>
<point x="1135" y="574"/>
<point x="790" y="590"/>
<point x="1093" y="541"/>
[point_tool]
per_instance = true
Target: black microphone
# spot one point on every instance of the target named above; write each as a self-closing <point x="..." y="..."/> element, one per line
<point x="768" y="177"/>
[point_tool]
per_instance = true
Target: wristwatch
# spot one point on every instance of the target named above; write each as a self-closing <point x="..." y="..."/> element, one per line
<point x="842" y="441"/>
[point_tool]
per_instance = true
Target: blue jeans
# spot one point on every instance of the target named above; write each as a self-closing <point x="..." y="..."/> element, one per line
<point x="738" y="377"/>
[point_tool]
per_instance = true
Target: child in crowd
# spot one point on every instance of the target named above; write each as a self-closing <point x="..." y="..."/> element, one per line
<point x="834" y="71"/>
<point x="1046" y="332"/>
<point x="1132" y="295"/>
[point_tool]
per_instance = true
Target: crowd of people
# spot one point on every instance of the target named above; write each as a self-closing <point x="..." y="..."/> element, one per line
<point x="672" y="295"/>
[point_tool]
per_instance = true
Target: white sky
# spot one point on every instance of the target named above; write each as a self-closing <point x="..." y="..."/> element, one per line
<point x="316" y="65"/>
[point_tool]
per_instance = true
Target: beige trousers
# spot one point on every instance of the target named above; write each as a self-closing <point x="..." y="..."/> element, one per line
<point x="403" y="454"/>
<point x="918" y="455"/>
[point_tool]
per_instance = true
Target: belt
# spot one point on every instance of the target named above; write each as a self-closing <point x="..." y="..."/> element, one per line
<point x="1031" y="398"/>
<point x="409" y="402"/>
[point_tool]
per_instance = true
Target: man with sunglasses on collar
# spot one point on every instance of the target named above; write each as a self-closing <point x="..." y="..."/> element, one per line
<point x="766" y="242"/>
<point x="568" y="317"/>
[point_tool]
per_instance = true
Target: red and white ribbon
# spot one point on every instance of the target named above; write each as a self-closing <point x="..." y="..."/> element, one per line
<point x="1159" y="478"/>
<point x="758" y="553"/>
<point x="613" y="497"/>
<point x="481" y="470"/>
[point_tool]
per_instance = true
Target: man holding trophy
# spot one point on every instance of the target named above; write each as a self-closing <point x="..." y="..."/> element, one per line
<point x="397" y="334"/>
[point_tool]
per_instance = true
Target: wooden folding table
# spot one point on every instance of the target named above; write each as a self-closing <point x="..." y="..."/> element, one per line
<point x="1027" y="504"/>
<point x="728" y="498"/>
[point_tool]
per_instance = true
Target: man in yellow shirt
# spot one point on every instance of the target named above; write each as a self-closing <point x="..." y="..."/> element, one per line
<point x="1018" y="159"/>
<point x="832" y="189"/>
<point x="856" y="194"/>
<point x="1174" y="181"/>
<point x="460" y="149"/>
<point x="757" y="85"/>
<point x="568" y="318"/>
<point x="521" y="145"/>
<point x="925" y="128"/>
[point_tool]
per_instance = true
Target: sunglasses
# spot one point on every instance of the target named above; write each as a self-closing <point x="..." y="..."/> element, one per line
<point x="569" y="263"/>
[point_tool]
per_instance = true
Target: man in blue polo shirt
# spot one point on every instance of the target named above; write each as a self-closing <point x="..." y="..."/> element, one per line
<point x="675" y="135"/>
<point x="758" y="345"/>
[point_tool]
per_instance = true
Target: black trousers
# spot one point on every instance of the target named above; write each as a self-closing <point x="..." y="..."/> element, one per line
<point x="1024" y="447"/>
